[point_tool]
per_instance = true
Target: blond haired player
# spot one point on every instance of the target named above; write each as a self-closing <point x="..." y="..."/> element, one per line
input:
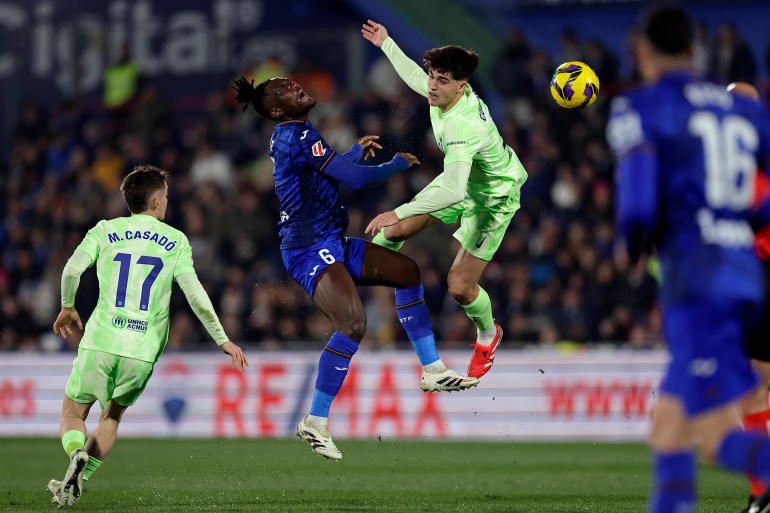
<point x="137" y="260"/>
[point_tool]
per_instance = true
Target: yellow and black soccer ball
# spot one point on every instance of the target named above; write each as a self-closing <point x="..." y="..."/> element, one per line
<point x="574" y="85"/>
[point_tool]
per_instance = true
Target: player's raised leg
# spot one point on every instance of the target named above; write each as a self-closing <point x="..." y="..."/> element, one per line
<point x="103" y="438"/>
<point x="464" y="287"/>
<point x="336" y="297"/>
<point x="393" y="237"/>
<point x="384" y="267"/>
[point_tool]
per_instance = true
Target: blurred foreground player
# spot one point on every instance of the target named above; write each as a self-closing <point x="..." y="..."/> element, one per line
<point x="137" y="260"/>
<point x="687" y="154"/>
<point x="307" y="175"/>
<point x="480" y="185"/>
<point x="754" y="408"/>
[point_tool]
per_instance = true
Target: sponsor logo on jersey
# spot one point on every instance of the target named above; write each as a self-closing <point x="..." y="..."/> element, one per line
<point x="119" y="322"/>
<point x="318" y="149"/>
<point x="137" y="325"/>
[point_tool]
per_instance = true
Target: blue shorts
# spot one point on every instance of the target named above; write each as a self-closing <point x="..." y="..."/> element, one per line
<point x="709" y="367"/>
<point x="306" y="264"/>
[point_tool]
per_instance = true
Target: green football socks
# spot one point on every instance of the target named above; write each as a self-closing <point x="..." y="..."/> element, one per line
<point x="73" y="439"/>
<point x="91" y="467"/>
<point x="380" y="240"/>
<point x="480" y="311"/>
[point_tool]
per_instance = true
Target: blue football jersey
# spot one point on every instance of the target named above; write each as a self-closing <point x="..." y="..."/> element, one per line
<point x="688" y="153"/>
<point x="310" y="209"/>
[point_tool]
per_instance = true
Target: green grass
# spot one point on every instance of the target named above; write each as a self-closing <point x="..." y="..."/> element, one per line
<point x="416" y="476"/>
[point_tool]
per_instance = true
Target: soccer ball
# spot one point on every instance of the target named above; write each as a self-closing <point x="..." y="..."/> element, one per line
<point x="574" y="85"/>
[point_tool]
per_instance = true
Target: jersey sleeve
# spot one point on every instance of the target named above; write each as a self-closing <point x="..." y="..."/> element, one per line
<point x="637" y="174"/>
<point x="184" y="262"/>
<point x="461" y="141"/>
<point x="90" y="243"/>
<point x="311" y="151"/>
<point x="409" y="71"/>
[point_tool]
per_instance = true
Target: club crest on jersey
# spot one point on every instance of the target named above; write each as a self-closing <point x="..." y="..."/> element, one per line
<point x="318" y="149"/>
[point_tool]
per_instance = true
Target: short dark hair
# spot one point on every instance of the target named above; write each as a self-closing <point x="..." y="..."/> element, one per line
<point x="140" y="184"/>
<point x="668" y="30"/>
<point x="458" y="61"/>
<point x="258" y="100"/>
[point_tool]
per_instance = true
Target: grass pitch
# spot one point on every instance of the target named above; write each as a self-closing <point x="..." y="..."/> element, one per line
<point x="415" y="476"/>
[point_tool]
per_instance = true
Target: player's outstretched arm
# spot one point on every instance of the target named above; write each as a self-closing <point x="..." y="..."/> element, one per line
<point x="238" y="359"/>
<point x="360" y="177"/>
<point x="364" y="147"/>
<point x="201" y="305"/>
<point x="450" y="192"/>
<point x="409" y="71"/>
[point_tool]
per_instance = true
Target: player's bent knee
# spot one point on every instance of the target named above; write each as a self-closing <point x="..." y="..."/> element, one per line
<point x="354" y="328"/>
<point x="412" y="274"/>
<point x="460" y="290"/>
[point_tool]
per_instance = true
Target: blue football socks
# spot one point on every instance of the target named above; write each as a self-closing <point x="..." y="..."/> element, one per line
<point x="415" y="318"/>
<point x="332" y="369"/>
<point x="746" y="452"/>
<point x="674" y="485"/>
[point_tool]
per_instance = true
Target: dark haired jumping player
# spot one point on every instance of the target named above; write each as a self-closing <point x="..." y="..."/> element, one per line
<point x="312" y="222"/>
<point x="480" y="185"/>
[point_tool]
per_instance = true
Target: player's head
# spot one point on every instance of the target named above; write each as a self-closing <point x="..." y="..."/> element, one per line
<point x="665" y="43"/>
<point x="145" y="190"/>
<point x="280" y="99"/>
<point x="744" y="89"/>
<point x="449" y="69"/>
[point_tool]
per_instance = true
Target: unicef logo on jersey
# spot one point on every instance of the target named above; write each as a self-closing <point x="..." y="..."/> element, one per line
<point x="119" y="322"/>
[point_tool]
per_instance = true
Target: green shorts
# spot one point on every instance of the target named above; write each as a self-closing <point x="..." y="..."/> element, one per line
<point x="483" y="218"/>
<point x="101" y="376"/>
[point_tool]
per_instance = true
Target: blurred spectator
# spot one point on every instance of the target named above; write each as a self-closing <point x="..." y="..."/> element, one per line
<point x="210" y="165"/>
<point x="273" y="67"/>
<point x="731" y="57"/>
<point x="121" y="86"/>
<point x="108" y="167"/>
<point x="701" y="48"/>
<point x="512" y="78"/>
<point x="569" y="47"/>
<point x="604" y="63"/>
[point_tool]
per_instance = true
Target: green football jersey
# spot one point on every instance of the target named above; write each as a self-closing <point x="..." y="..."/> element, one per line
<point x="466" y="133"/>
<point x="137" y="259"/>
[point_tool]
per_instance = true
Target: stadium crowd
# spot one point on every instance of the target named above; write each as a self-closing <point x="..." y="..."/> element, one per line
<point x="557" y="277"/>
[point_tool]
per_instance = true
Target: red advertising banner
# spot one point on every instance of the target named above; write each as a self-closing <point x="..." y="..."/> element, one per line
<point x="600" y="394"/>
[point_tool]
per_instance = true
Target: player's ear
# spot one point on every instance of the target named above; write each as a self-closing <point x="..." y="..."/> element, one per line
<point x="155" y="200"/>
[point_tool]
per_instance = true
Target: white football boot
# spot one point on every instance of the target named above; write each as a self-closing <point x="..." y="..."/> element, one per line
<point x="72" y="485"/>
<point x="446" y="381"/>
<point x="53" y="488"/>
<point x="319" y="439"/>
